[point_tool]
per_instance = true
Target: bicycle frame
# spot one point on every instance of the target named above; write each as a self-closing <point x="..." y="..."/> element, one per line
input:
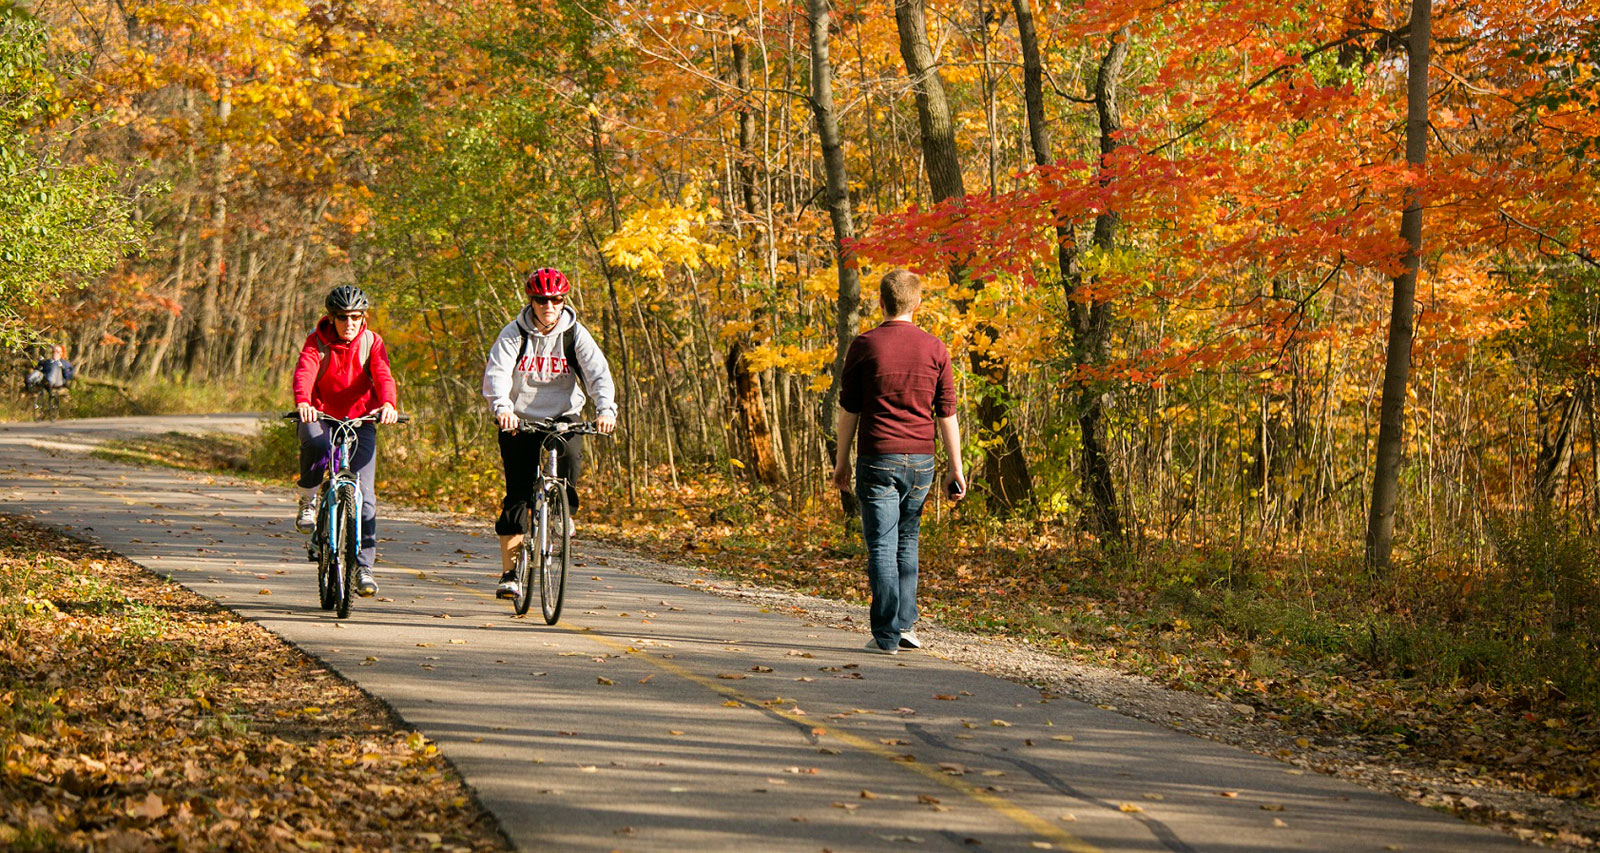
<point x="548" y="479"/>
<point x="47" y="401"/>
<point x="341" y="446"/>
<point x="339" y="502"/>
<point x="546" y="543"/>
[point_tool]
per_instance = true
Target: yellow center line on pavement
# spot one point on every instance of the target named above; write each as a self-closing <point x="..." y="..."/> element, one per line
<point x="1059" y="837"/>
<point x="1017" y="814"/>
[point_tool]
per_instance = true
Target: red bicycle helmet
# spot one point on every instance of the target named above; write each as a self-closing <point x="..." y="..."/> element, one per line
<point x="547" y="282"/>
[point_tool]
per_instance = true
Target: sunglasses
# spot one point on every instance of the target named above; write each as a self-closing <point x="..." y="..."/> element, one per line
<point x="546" y="300"/>
<point x="348" y="318"/>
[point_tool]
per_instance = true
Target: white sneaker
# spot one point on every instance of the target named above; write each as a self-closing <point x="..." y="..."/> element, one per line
<point x="305" y="519"/>
<point x="572" y="530"/>
<point x="910" y="640"/>
<point x="508" y="588"/>
<point x="872" y="646"/>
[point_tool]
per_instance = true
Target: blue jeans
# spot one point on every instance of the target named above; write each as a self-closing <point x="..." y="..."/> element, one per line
<point x="892" y="489"/>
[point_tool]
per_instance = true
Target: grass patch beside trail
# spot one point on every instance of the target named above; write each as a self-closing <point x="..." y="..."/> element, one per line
<point x="135" y="714"/>
<point x="93" y="397"/>
<point x="213" y="452"/>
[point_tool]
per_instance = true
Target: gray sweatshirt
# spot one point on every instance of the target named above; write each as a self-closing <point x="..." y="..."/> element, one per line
<point x="543" y="385"/>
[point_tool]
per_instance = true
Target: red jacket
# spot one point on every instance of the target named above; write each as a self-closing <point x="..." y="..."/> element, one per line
<point x="346" y="389"/>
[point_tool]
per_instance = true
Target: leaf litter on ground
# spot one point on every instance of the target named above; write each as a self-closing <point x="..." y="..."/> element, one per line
<point x="145" y="717"/>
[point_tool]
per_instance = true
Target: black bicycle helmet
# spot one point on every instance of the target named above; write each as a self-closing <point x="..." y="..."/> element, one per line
<point x="345" y="298"/>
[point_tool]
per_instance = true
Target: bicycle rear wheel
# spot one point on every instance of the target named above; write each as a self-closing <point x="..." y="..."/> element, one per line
<point x="327" y="562"/>
<point x="327" y="543"/>
<point x="327" y="577"/>
<point x="349" y="542"/>
<point x="554" y="557"/>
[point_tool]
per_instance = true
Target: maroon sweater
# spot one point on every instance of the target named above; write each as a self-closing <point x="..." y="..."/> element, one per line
<point x="897" y="378"/>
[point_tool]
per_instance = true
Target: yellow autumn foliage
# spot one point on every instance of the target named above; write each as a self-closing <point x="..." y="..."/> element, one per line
<point x="669" y="236"/>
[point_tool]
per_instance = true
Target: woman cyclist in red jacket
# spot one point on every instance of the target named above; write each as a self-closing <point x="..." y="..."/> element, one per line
<point x="343" y="373"/>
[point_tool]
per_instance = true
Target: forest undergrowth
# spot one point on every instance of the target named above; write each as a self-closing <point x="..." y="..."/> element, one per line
<point x="1487" y="671"/>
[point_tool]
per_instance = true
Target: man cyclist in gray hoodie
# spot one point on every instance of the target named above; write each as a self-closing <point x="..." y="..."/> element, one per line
<point x="533" y="373"/>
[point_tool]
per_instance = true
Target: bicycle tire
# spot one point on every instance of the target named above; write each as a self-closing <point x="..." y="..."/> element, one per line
<point x="522" y="565"/>
<point x="327" y="583"/>
<point x="349" y="543"/>
<point x="555" y="556"/>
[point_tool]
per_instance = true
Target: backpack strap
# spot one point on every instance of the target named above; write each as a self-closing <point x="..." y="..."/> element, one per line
<point x="364" y="344"/>
<point x="569" y="348"/>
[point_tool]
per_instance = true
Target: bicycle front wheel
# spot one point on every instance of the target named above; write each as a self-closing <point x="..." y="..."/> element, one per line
<point x="349" y="542"/>
<point x="554" y="557"/>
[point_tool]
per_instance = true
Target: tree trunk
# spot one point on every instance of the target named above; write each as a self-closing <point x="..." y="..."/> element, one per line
<point x="1397" y="367"/>
<point x="1005" y="469"/>
<point x="750" y="412"/>
<point x="1555" y="452"/>
<point x="180" y="266"/>
<point x="1091" y="319"/>
<point x="747" y="129"/>
<point x="197" y="358"/>
<point x="281" y="339"/>
<point x="1099" y="489"/>
<point x="625" y="372"/>
<point x="848" y="319"/>
<point x="244" y="332"/>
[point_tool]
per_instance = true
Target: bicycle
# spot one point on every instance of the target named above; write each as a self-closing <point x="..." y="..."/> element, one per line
<point x="337" y="537"/>
<point x="47" y="402"/>
<point x="549" y="537"/>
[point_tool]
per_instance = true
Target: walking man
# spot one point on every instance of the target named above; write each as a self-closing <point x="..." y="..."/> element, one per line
<point x="896" y="393"/>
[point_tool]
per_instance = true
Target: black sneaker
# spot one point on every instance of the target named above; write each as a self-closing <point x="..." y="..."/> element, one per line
<point x="508" y="588"/>
<point x="366" y="587"/>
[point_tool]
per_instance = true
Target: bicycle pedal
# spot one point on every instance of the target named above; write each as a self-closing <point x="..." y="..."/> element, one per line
<point x="311" y="555"/>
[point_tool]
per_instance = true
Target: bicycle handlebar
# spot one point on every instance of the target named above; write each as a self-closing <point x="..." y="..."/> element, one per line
<point x="551" y="425"/>
<point x="323" y="416"/>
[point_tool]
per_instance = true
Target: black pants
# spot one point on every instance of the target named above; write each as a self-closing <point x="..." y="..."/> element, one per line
<point x="520" y="455"/>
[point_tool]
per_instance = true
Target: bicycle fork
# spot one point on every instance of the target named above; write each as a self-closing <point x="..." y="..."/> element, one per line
<point x="552" y="459"/>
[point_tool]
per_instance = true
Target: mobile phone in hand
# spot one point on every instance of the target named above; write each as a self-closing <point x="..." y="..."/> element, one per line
<point x="954" y="489"/>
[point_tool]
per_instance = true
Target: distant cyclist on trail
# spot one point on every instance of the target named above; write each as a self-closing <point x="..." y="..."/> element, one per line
<point x="533" y="373"/>
<point x="343" y="373"/>
<point x="53" y="372"/>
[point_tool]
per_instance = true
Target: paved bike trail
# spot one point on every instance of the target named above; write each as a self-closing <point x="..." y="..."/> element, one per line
<point x="659" y="717"/>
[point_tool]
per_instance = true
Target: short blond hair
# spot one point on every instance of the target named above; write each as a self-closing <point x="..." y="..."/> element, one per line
<point x="899" y="292"/>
